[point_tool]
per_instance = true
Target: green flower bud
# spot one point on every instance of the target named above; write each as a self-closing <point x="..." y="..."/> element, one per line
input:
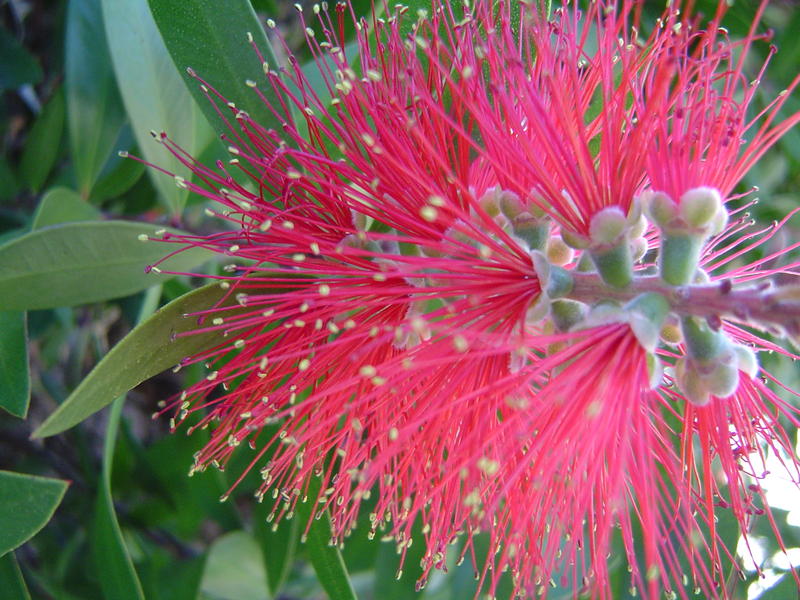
<point x="490" y="201"/>
<point x="719" y="222"/>
<point x="699" y="206"/>
<point x="746" y="360"/>
<point x="723" y="379"/>
<point x="535" y="231"/>
<point x="567" y="314"/>
<point x="574" y="240"/>
<point x="691" y="383"/>
<point x="510" y="204"/>
<point x="607" y="226"/>
<point x="558" y="252"/>
<point x="659" y="208"/>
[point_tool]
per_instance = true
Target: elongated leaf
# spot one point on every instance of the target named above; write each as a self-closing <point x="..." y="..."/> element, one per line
<point x="94" y="108"/>
<point x="234" y="568"/>
<point x="279" y="547"/>
<point x="118" y="177"/>
<point x="76" y="263"/>
<point x="11" y="581"/>
<point x="15" y="391"/>
<point x="43" y="143"/>
<point x="17" y="65"/>
<point x="118" y="578"/>
<point x="388" y="586"/>
<point x="155" y="95"/>
<point x="326" y="559"/>
<point x="150" y="348"/>
<point x="26" y="504"/>
<point x="62" y="205"/>
<point x="213" y="42"/>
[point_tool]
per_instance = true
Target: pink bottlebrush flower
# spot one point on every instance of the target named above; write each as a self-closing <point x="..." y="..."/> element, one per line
<point x="393" y="330"/>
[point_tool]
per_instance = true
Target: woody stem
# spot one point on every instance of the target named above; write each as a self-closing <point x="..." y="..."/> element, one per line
<point x="763" y="305"/>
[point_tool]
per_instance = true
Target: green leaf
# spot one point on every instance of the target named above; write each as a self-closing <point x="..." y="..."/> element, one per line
<point x="15" y="392"/>
<point x="18" y="65"/>
<point x="110" y="555"/>
<point x="8" y="181"/>
<point x="326" y="559"/>
<point x="155" y="96"/>
<point x="62" y="205"/>
<point x="118" y="177"/>
<point x="278" y="546"/>
<point x="26" y="504"/>
<point x="153" y="346"/>
<point x="44" y="143"/>
<point x="77" y="263"/>
<point x="214" y="44"/>
<point x="94" y="108"/>
<point x="11" y="581"/>
<point x="234" y="569"/>
<point x="387" y="585"/>
<point x="118" y="578"/>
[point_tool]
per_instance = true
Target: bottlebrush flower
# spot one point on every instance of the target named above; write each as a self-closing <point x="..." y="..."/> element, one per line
<point x="399" y="325"/>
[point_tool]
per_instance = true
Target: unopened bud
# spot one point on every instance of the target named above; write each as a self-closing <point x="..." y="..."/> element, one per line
<point x="691" y="383"/>
<point x="532" y="230"/>
<point x="608" y="225"/>
<point x="490" y="202"/>
<point x="574" y="240"/>
<point x="723" y="379"/>
<point x="558" y="252"/>
<point x="566" y="314"/>
<point x="699" y="206"/>
<point x="719" y="222"/>
<point x="510" y="204"/>
<point x="659" y="208"/>
<point x="746" y="359"/>
<point x="671" y="334"/>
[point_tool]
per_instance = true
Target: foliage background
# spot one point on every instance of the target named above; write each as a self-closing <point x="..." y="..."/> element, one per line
<point x="79" y="81"/>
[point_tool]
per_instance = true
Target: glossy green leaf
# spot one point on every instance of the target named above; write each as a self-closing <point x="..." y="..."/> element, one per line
<point x="15" y="391"/>
<point x="43" y="144"/>
<point x="234" y="569"/>
<point x="326" y="559"/>
<point x="26" y="504"/>
<point x="62" y="205"/>
<point x="118" y="578"/>
<point x="150" y="348"/>
<point x="214" y="43"/>
<point x="17" y="65"/>
<point x="77" y="263"/>
<point x="11" y="581"/>
<point x="109" y="552"/>
<point x="155" y="95"/>
<point x="94" y="108"/>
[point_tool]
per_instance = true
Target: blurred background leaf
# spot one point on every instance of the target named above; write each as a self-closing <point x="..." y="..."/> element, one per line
<point x="155" y="95"/>
<point x="26" y="504"/>
<point x="94" y="107"/>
